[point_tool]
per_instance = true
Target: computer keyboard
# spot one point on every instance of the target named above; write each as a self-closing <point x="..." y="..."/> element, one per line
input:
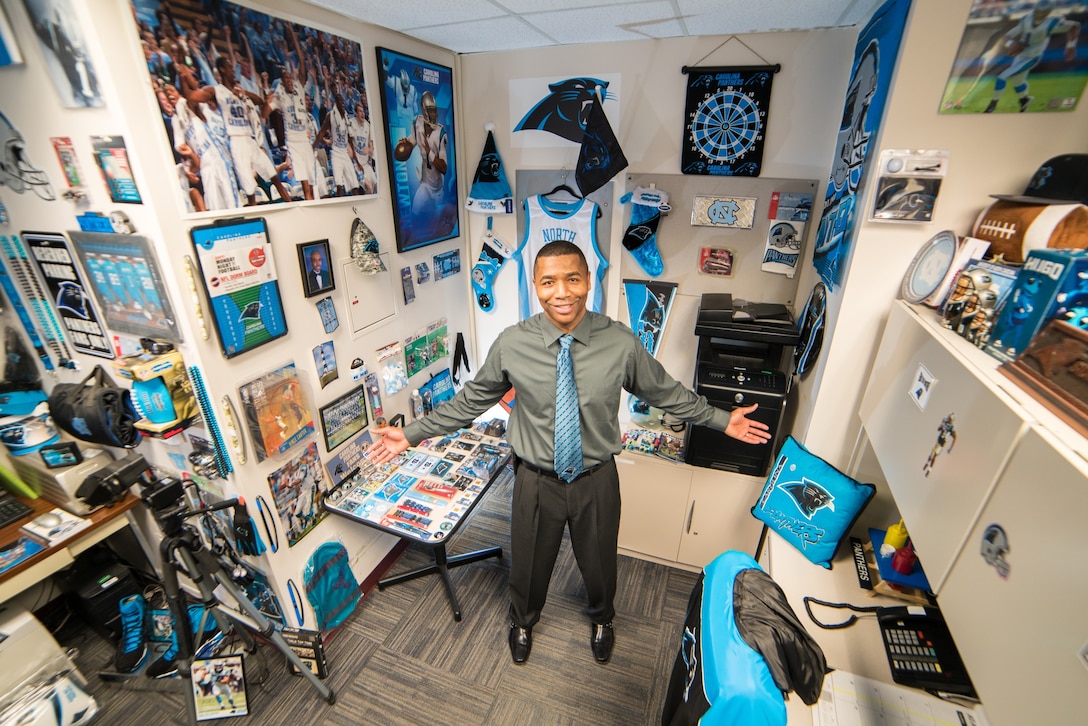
<point x="11" y="509"/>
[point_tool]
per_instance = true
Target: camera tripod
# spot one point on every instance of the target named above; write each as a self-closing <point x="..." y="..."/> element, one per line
<point x="185" y="552"/>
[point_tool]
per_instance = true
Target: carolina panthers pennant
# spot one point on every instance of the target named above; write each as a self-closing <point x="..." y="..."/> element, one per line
<point x="726" y="118"/>
<point x="600" y="157"/>
<point x="564" y="110"/>
<point x="648" y="304"/>
<point x="68" y="294"/>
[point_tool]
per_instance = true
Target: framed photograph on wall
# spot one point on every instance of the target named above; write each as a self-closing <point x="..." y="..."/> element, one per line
<point x="275" y="64"/>
<point x="128" y="288"/>
<point x="344" y="417"/>
<point x="417" y="103"/>
<point x="316" y="266"/>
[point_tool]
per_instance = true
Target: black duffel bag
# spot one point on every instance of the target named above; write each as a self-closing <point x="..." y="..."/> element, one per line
<point x="96" y="410"/>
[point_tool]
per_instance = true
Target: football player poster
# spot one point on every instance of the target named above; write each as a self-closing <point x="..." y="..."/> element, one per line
<point x="417" y="102"/>
<point x="1017" y="57"/>
<point x="257" y="109"/>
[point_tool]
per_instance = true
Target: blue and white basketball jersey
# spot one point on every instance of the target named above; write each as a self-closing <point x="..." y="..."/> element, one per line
<point x="547" y="221"/>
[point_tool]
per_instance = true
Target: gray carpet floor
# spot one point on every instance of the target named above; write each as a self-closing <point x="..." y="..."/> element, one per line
<point x="401" y="658"/>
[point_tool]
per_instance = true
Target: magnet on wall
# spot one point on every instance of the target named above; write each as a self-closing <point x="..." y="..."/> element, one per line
<point x="995" y="545"/>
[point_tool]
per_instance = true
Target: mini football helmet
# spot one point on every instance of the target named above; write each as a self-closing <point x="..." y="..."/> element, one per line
<point x="16" y="170"/>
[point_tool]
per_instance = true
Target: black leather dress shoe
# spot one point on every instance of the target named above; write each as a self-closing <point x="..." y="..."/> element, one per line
<point x="602" y="640"/>
<point x="521" y="642"/>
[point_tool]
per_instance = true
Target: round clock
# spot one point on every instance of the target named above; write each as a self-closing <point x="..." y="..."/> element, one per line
<point x="928" y="268"/>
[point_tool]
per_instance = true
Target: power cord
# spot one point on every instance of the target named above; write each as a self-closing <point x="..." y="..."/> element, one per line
<point x="867" y="610"/>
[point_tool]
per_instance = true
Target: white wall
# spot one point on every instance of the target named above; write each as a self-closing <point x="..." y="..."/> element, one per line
<point x="989" y="154"/>
<point x="806" y="105"/>
<point x="28" y="98"/>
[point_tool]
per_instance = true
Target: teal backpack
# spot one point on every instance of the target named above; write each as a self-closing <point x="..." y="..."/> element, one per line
<point x="330" y="585"/>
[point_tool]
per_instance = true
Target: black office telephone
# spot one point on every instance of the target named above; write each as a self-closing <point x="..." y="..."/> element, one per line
<point x="921" y="652"/>
<point x="920" y="649"/>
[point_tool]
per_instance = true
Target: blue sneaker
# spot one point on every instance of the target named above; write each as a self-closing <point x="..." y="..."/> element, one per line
<point x="135" y="625"/>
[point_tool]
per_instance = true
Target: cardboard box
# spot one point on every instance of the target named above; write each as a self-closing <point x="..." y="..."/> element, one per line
<point x="1050" y="282"/>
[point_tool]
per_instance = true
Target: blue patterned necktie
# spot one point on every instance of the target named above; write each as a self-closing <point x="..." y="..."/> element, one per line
<point x="568" y="425"/>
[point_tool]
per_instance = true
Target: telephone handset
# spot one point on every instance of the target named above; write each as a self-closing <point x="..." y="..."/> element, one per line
<point x="921" y="652"/>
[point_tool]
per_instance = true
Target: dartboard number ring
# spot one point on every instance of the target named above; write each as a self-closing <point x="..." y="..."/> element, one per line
<point x="726" y="125"/>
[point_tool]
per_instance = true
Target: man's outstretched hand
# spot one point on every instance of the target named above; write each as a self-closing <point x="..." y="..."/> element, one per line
<point x="745" y="429"/>
<point x="391" y="443"/>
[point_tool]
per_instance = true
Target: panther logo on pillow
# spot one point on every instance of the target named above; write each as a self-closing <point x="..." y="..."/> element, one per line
<point x="809" y="496"/>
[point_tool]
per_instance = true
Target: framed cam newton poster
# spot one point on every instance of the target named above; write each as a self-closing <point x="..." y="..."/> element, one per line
<point x="417" y="103"/>
<point x="725" y="120"/>
<point x="239" y="276"/>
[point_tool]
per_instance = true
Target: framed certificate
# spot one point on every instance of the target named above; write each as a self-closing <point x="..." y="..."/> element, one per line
<point x="239" y="276"/>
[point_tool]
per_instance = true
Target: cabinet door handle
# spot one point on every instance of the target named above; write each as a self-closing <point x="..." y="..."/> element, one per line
<point x="691" y="513"/>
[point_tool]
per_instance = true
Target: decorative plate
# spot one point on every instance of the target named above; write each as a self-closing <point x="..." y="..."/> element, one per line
<point x="929" y="267"/>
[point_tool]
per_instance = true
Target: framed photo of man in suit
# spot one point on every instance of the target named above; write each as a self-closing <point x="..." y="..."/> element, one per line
<point x="313" y="259"/>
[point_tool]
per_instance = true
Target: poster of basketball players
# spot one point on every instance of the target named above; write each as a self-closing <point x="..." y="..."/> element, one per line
<point x="417" y="101"/>
<point x="256" y="109"/>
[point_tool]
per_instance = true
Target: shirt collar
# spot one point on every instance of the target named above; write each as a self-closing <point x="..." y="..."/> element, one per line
<point x="581" y="332"/>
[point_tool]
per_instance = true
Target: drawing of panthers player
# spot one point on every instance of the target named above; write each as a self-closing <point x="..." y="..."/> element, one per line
<point x="946" y="437"/>
<point x="429" y="137"/>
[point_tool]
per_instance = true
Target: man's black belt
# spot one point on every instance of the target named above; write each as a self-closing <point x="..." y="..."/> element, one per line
<point x="518" y="462"/>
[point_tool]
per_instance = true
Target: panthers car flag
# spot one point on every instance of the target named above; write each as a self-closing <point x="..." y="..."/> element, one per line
<point x="490" y="192"/>
<point x="600" y="157"/>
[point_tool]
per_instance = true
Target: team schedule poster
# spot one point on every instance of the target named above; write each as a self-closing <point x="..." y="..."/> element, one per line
<point x="239" y="276"/>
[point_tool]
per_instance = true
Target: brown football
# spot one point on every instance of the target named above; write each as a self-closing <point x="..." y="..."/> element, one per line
<point x="403" y="150"/>
<point x="1014" y="229"/>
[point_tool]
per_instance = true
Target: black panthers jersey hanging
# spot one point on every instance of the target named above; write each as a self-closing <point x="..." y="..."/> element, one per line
<point x="725" y="120"/>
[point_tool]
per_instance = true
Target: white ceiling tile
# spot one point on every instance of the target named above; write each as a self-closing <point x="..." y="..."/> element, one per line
<point x="481" y="36"/>
<point x="475" y="26"/>
<point x="601" y="24"/>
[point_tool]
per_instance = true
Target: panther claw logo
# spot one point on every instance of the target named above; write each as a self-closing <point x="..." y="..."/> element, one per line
<point x="809" y="496"/>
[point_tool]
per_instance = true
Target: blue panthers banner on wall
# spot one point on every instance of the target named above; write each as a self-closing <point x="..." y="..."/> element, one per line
<point x="874" y="61"/>
<point x="725" y="120"/>
<point x="648" y="304"/>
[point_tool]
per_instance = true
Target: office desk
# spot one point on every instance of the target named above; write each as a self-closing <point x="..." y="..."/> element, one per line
<point x="424" y="495"/>
<point x="104" y="522"/>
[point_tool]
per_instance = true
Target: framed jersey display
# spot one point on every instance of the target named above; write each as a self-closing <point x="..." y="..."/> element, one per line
<point x="725" y="120"/>
<point x="417" y="103"/>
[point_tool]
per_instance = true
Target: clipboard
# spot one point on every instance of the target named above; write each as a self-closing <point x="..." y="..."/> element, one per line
<point x="239" y="277"/>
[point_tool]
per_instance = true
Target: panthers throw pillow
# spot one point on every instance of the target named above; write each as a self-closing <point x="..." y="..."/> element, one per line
<point x="810" y="503"/>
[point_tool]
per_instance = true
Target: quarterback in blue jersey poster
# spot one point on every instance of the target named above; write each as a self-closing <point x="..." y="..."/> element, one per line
<point x="863" y="110"/>
<point x="417" y="102"/>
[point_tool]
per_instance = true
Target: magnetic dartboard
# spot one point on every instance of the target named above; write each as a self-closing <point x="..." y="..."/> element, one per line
<point x="726" y="117"/>
<point x="725" y="125"/>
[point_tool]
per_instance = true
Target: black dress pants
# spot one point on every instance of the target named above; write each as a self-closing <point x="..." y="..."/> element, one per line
<point x="543" y="505"/>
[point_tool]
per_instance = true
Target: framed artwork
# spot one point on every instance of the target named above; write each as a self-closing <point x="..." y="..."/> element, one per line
<point x="126" y="283"/>
<point x="219" y="688"/>
<point x="64" y="48"/>
<point x="10" y="54"/>
<point x="277" y="64"/>
<point x="344" y="417"/>
<point x="239" y="276"/>
<point x="417" y="103"/>
<point x="314" y="261"/>
<point x="68" y="292"/>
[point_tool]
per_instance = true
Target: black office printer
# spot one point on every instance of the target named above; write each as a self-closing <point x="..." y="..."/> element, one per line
<point x="745" y="356"/>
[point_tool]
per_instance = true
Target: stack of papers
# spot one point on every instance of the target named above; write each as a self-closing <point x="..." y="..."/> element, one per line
<point x="851" y="700"/>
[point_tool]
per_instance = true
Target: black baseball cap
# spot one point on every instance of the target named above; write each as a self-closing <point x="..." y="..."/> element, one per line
<point x="1060" y="180"/>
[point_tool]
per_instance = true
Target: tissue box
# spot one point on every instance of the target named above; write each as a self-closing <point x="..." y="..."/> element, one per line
<point x="1051" y="282"/>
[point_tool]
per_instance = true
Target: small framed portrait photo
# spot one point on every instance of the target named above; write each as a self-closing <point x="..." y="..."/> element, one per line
<point x="315" y="263"/>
